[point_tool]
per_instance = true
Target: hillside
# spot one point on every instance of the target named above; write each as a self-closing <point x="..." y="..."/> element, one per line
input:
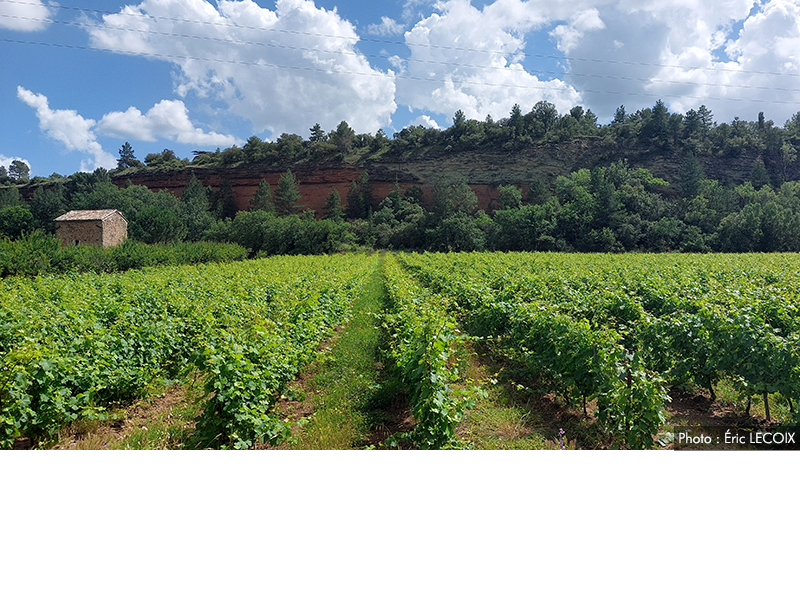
<point x="648" y="181"/>
<point x="484" y="168"/>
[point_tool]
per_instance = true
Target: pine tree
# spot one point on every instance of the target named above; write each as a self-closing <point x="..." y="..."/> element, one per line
<point x="355" y="209"/>
<point x="262" y="200"/>
<point x="333" y="207"/>
<point x="690" y="175"/>
<point x="126" y="157"/>
<point x="195" y="209"/>
<point x="317" y="134"/>
<point x="286" y="202"/>
<point x="365" y="189"/>
<point x="225" y="204"/>
<point x="759" y="176"/>
<point x="19" y="171"/>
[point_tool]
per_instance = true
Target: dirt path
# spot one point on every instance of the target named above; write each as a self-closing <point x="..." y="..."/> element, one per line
<point x="689" y="408"/>
<point x="160" y="422"/>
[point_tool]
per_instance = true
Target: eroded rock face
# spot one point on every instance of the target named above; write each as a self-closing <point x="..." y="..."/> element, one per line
<point x="485" y="170"/>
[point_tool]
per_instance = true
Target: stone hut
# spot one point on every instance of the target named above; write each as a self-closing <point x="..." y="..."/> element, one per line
<point x="104" y="228"/>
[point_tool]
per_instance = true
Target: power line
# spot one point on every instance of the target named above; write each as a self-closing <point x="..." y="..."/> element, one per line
<point x="411" y="60"/>
<point x="355" y="39"/>
<point x="378" y="74"/>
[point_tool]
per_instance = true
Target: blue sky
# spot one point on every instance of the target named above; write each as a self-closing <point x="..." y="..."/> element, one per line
<point x="82" y="77"/>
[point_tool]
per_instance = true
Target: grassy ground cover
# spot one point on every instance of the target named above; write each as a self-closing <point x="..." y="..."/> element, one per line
<point x="163" y="420"/>
<point x="346" y="398"/>
<point x="716" y="335"/>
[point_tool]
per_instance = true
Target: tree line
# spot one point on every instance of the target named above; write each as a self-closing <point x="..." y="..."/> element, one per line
<point x="605" y="209"/>
<point x="650" y="130"/>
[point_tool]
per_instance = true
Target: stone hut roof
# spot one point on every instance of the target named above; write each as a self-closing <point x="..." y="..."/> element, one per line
<point x="90" y="215"/>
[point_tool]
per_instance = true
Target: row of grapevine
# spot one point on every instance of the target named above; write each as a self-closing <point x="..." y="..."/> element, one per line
<point x="423" y="339"/>
<point x="616" y="327"/>
<point x="73" y="347"/>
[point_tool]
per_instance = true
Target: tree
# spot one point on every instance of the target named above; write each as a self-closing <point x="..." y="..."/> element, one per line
<point x="459" y="121"/>
<point x="690" y="175"/>
<point x="262" y="200"/>
<point x="343" y="137"/>
<point x="788" y="156"/>
<point x="706" y="119"/>
<point x="15" y="222"/>
<point x="165" y="158"/>
<point x="741" y="232"/>
<point x="224" y="203"/>
<point x="453" y="195"/>
<point x="365" y="187"/>
<point x="359" y="198"/>
<point x="542" y="119"/>
<point x="19" y="171"/>
<point x="333" y="207"/>
<point x="126" y="158"/>
<point x="254" y="149"/>
<point x="413" y="195"/>
<point x="231" y="156"/>
<point x="289" y="146"/>
<point x="394" y="198"/>
<point x="379" y="142"/>
<point x="195" y="209"/>
<point x="317" y="134"/>
<point x="158" y="224"/>
<point x="355" y="204"/>
<point x="656" y="128"/>
<point x="538" y="192"/>
<point x="288" y="195"/>
<point x="10" y="196"/>
<point x="458" y="232"/>
<point x="759" y="176"/>
<point x="46" y="205"/>
<point x="509" y="196"/>
<point x="516" y="122"/>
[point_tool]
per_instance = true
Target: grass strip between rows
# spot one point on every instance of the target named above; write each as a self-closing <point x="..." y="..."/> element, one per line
<point x="346" y="379"/>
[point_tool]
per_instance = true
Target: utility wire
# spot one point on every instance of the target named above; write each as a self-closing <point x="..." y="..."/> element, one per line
<point x="409" y="60"/>
<point x="355" y="39"/>
<point x="378" y="74"/>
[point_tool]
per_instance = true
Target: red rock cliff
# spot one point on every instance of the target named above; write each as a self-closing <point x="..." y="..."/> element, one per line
<point x="485" y="170"/>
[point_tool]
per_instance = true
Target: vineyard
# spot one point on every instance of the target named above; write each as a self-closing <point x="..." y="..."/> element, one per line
<point x="625" y="330"/>
<point x="613" y="338"/>
<point x="75" y="347"/>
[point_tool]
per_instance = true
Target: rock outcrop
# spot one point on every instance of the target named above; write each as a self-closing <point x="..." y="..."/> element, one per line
<point x="484" y="169"/>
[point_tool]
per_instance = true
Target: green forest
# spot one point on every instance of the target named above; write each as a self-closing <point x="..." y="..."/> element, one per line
<point x="618" y="207"/>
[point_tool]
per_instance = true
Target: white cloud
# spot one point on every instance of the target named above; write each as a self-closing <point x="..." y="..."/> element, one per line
<point x="5" y="161"/>
<point x="387" y="26"/>
<point x="412" y="9"/>
<point x="568" y="36"/>
<point x="733" y="73"/>
<point x="283" y="70"/>
<point x="426" y="121"/>
<point x="615" y="53"/>
<point x="616" y="50"/>
<point x="168" y="119"/>
<point x="735" y="56"/>
<point x="468" y="59"/>
<point x="30" y="15"/>
<point x="69" y="128"/>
